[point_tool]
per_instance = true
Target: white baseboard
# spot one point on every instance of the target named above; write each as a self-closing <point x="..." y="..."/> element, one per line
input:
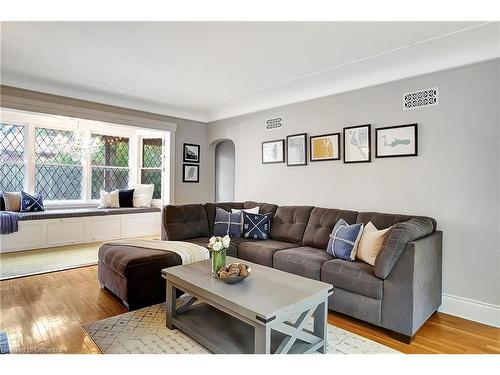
<point x="470" y="309"/>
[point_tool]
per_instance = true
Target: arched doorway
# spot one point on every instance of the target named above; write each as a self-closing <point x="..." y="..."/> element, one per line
<point x="224" y="171"/>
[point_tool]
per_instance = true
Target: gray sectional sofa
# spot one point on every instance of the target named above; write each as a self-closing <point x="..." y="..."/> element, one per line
<point x="400" y="292"/>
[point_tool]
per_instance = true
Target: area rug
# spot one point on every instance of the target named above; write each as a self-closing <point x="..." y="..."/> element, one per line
<point x="35" y="262"/>
<point x="144" y="331"/>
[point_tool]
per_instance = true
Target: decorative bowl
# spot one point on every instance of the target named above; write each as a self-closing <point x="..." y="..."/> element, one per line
<point x="235" y="279"/>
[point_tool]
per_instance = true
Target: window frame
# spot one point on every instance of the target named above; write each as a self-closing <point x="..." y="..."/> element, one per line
<point x="161" y="168"/>
<point x="129" y="167"/>
<point x="24" y="163"/>
<point x="53" y="126"/>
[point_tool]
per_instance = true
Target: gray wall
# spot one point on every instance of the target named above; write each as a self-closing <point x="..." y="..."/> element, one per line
<point x="197" y="133"/>
<point x="455" y="178"/>
<point x="224" y="171"/>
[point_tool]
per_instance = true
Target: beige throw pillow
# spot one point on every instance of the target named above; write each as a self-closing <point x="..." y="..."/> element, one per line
<point x="12" y="201"/>
<point x="109" y="200"/>
<point x="370" y="243"/>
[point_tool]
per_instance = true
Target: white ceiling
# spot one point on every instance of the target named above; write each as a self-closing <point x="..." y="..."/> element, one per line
<point x="212" y="70"/>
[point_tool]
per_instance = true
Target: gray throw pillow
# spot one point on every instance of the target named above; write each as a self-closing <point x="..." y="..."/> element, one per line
<point x="12" y="201"/>
<point x="395" y="242"/>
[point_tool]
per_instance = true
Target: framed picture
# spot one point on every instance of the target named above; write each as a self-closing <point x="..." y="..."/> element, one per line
<point x="273" y="151"/>
<point x="393" y="141"/>
<point x="191" y="153"/>
<point x="190" y="173"/>
<point x="357" y="144"/>
<point x="296" y="149"/>
<point x="324" y="147"/>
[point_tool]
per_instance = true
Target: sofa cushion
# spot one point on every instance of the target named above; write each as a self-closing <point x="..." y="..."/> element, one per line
<point x="261" y="252"/>
<point x="210" y="211"/>
<point x="183" y="222"/>
<point x="264" y="208"/>
<point x="383" y="221"/>
<point x="321" y="223"/>
<point x="395" y="242"/>
<point x="289" y="223"/>
<point x="356" y="277"/>
<point x="304" y="261"/>
<point x="136" y="262"/>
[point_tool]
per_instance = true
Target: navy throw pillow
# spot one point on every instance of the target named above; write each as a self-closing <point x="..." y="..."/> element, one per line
<point x="256" y="226"/>
<point x="227" y="223"/>
<point x="31" y="203"/>
<point x="344" y="240"/>
<point x="126" y="197"/>
<point x="2" y="203"/>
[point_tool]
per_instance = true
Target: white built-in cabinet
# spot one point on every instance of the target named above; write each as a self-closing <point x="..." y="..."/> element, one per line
<point x="37" y="234"/>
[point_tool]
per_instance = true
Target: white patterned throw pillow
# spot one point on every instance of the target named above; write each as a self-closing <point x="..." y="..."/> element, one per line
<point x="109" y="200"/>
<point x="143" y="194"/>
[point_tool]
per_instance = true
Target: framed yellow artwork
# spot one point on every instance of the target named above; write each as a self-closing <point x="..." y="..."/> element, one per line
<point x="325" y="147"/>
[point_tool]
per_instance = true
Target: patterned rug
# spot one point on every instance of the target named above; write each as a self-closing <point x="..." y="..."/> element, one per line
<point x="144" y="331"/>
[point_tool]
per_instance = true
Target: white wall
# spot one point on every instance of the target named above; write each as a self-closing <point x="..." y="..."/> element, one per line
<point x="455" y="178"/>
<point x="224" y="172"/>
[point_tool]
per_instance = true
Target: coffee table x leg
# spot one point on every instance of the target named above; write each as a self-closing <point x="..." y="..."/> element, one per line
<point x="315" y="340"/>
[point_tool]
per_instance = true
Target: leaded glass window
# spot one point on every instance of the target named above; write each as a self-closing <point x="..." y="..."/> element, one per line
<point x="12" y="168"/>
<point x="58" y="174"/>
<point x="152" y="164"/>
<point x="110" y="164"/>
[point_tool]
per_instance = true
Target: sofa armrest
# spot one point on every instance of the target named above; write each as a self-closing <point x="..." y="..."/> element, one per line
<point x="413" y="290"/>
<point x="183" y="222"/>
<point x="396" y="241"/>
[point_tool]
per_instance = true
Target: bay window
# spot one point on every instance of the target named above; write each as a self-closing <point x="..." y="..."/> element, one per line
<point x="70" y="160"/>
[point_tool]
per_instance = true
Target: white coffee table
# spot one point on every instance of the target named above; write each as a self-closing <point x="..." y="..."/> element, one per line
<point x="266" y="313"/>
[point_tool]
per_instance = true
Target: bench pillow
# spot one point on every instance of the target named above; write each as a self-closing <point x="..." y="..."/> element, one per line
<point x="143" y="194"/>
<point x="12" y="201"/>
<point x="31" y="203"/>
<point x="126" y="197"/>
<point x="109" y="200"/>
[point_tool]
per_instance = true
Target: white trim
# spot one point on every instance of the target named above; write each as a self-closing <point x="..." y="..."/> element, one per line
<point x="471" y="309"/>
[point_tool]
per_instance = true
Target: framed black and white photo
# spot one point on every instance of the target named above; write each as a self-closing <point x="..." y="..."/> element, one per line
<point x="296" y="149"/>
<point x="393" y="141"/>
<point x="324" y="147"/>
<point x="273" y="151"/>
<point x="357" y="144"/>
<point x="191" y="153"/>
<point x="190" y="173"/>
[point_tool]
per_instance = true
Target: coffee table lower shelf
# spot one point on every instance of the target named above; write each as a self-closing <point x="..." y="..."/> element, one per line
<point x="222" y="333"/>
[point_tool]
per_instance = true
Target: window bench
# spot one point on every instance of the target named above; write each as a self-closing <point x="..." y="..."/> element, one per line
<point x="61" y="227"/>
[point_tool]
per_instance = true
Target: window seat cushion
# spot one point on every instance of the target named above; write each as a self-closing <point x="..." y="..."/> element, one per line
<point x="83" y="212"/>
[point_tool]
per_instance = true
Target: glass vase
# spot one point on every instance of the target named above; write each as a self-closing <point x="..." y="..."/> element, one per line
<point x="218" y="261"/>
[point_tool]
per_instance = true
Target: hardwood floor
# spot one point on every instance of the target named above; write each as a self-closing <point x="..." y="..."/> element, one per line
<point x="44" y="314"/>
